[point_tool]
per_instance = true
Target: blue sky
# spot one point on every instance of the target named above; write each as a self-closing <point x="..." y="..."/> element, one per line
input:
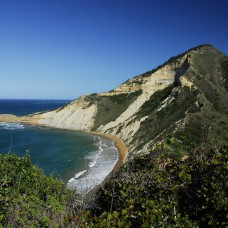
<point x="60" y="49"/>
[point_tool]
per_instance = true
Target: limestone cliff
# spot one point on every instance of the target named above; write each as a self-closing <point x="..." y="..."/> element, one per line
<point x="78" y="115"/>
<point x="81" y="113"/>
<point x="189" y="89"/>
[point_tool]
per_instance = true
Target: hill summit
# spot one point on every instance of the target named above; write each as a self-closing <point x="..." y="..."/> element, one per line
<point x="174" y="120"/>
<point x="184" y="100"/>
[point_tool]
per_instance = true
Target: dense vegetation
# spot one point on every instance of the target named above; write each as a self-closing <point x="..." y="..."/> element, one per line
<point x="181" y="180"/>
<point x="164" y="190"/>
<point x="155" y="190"/>
<point x="28" y="198"/>
<point x="224" y="68"/>
<point x="162" y="121"/>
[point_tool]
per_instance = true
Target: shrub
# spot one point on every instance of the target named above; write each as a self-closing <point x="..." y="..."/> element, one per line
<point x="164" y="191"/>
<point x="29" y="198"/>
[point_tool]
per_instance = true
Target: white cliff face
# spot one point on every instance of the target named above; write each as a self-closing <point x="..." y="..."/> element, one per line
<point x="131" y="110"/>
<point x="129" y="129"/>
<point x="156" y="81"/>
<point x="78" y="115"/>
<point x="186" y="82"/>
<point x="87" y="112"/>
<point x="81" y="113"/>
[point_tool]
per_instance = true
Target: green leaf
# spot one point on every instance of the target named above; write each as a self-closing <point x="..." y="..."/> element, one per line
<point x="109" y="216"/>
<point x="115" y="214"/>
<point x="181" y="173"/>
<point x="103" y="215"/>
<point x="124" y="212"/>
<point x="150" y="203"/>
<point x="24" y="171"/>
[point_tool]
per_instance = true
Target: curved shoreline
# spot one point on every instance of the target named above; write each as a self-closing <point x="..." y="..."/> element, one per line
<point x="119" y="144"/>
<point x="121" y="148"/>
<point x="122" y="157"/>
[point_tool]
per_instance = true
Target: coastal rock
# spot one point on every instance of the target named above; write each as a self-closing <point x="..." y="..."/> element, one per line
<point x="153" y="104"/>
<point x="78" y="115"/>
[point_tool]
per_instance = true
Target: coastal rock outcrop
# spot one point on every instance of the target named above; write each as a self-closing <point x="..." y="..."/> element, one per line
<point x="160" y="102"/>
<point x="78" y="115"/>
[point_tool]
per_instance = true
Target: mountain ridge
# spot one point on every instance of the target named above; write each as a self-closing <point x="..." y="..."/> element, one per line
<point x="185" y="90"/>
<point x="174" y="121"/>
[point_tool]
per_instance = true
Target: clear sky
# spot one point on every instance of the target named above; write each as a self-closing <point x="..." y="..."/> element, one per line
<point x="60" y="49"/>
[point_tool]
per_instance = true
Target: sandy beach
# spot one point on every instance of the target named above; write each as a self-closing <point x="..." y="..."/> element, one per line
<point x="121" y="147"/>
<point x="122" y="157"/>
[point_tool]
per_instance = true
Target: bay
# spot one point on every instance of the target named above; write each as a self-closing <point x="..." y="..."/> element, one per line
<point x="77" y="156"/>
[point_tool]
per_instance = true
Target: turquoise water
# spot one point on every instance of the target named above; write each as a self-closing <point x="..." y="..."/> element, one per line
<point x="82" y="160"/>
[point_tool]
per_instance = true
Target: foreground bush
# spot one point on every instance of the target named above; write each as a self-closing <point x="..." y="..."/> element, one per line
<point x="165" y="191"/>
<point x="150" y="191"/>
<point x="28" y="198"/>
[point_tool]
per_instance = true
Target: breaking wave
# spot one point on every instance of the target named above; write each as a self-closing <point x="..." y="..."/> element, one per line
<point x="11" y="126"/>
<point x="98" y="165"/>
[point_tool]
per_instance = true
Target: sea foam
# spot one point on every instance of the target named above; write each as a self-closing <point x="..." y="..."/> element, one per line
<point x="77" y="175"/>
<point x="11" y="126"/>
<point x="99" y="165"/>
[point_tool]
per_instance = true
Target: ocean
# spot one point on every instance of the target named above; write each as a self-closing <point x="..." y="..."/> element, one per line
<point x="79" y="159"/>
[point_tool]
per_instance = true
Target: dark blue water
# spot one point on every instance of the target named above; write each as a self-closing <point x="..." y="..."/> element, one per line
<point x="24" y="107"/>
<point x="56" y="151"/>
<point x="70" y="155"/>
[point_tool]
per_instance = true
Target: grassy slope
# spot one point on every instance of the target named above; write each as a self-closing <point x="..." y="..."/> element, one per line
<point x="203" y="109"/>
<point x="208" y="75"/>
<point x="163" y="188"/>
<point x="111" y="107"/>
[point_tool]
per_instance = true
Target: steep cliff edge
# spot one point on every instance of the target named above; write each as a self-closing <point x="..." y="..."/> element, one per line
<point x="106" y="112"/>
<point x="185" y="100"/>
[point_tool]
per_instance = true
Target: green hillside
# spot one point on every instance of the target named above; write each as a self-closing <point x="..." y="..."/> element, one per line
<point x="190" y="115"/>
<point x="163" y="190"/>
<point x="176" y="173"/>
<point x="160" y="189"/>
<point x="28" y="198"/>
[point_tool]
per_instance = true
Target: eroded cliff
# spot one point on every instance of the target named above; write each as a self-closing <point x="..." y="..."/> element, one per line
<point x="187" y="90"/>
